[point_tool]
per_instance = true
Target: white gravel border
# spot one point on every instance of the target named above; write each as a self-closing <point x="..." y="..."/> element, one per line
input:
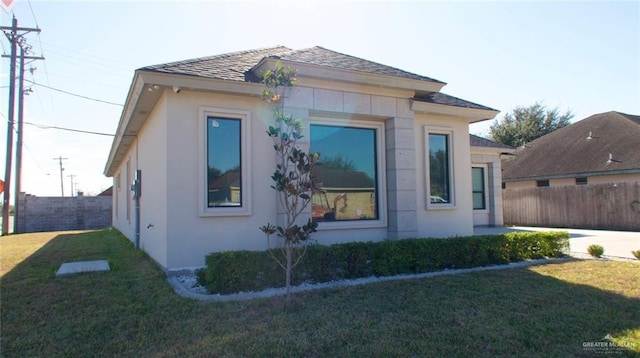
<point x="187" y="286"/>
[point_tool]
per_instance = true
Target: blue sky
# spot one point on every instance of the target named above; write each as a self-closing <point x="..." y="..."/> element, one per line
<point x="583" y="56"/>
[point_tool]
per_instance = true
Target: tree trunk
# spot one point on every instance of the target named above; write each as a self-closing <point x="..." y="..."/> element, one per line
<point x="288" y="274"/>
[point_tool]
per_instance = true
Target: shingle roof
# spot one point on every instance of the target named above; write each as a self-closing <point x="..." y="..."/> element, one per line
<point x="234" y="66"/>
<point x="567" y="150"/>
<point x="447" y="100"/>
<point x="323" y="57"/>
<point x="229" y="66"/>
<point x="482" y="142"/>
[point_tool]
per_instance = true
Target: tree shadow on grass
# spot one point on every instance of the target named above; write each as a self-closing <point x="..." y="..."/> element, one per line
<point x="132" y="311"/>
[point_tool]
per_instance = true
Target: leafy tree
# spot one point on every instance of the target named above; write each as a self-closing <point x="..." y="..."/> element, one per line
<point x="213" y="173"/>
<point x="338" y="162"/>
<point x="525" y="124"/>
<point x="292" y="177"/>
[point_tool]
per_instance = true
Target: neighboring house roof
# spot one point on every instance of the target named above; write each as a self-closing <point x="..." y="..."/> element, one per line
<point x="486" y="143"/>
<point x="582" y="148"/>
<point x="107" y="192"/>
<point x="236" y="66"/>
<point x="334" y="178"/>
<point x="229" y="179"/>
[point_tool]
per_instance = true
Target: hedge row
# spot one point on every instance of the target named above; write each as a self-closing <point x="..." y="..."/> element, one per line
<point x="234" y="271"/>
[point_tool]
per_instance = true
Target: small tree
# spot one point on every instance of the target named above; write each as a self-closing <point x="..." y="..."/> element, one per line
<point x="525" y="124"/>
<point x="292" y="177"/>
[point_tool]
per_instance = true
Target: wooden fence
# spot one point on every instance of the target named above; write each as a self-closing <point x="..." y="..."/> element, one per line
<point x="598" y="206"/>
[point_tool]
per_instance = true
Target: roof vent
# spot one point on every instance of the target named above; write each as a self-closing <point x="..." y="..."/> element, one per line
<point x="590" y="137"/>
<point x="611" y="160"/>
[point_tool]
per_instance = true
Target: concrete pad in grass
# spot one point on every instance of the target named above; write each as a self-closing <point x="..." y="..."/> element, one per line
<point x="69" y="268"/>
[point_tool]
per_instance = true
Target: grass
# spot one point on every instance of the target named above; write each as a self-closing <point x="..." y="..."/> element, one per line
<point x="548" y="310"/>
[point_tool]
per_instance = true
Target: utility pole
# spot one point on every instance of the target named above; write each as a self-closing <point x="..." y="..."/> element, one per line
<point x="16" y="39"/>
<point x="60" y="159"/>
<point x="12" y="92"/>
<point x="71" y="176"/>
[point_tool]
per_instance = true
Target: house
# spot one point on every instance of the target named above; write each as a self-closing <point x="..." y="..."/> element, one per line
<point x="396" y="155"/>
<point x="486" y="186"/>
<point x="603" y="148"/>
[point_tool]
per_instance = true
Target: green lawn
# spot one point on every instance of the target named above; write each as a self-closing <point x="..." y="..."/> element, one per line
<point x="549" y="310"/>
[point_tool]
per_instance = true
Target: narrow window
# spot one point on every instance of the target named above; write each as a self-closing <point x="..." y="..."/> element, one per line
<point x="504" y="185"/>
<point x="224" y="175"/>
<point x="128" y="203"/>
<point x="581" y="181"/>
<point x="116" y="193"/>
<point x="479" y="195"/>
<point x="347" y="173"/>
<point x="439" y="169"/>
<point x="542" y="183"/>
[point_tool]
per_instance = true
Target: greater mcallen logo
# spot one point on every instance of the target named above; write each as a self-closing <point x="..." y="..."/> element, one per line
<point x="606" y="345"/>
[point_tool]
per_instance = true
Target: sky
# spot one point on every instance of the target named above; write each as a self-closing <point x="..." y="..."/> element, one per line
<point x="578" y="56"/>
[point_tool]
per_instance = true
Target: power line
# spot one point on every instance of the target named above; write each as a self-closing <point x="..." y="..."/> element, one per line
<point x="46" y="72"/>
<point x="67" y="50"/>
<point x="33" y="14"/>
<point x="27" y="147"/>
<point x="75" y="94"/>
<point x="42" y="126"/>
<point x="122" y="88"/>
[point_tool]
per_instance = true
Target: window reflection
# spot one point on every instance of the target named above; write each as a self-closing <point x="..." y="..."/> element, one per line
<point x="478" y="188"/>
<point x="347" y="173"/>
<point x="223" y="162"/>
<point x="440" y="190"/>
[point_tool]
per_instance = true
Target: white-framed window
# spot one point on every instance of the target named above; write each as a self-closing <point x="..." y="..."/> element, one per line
<point x="128" y="195"/>
<point x="439" y="168"/>
<point x="479" y="187"/>
<point x="225" y="180"/>
<point x="351" y="173"/>
<point x="116" y="193"/>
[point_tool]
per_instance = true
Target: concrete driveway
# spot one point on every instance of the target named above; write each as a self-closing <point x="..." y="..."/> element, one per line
<point x="617" y="244"/>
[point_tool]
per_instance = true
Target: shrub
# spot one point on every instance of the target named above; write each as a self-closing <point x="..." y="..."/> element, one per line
<point x="229" y="272"/>
<point x="636" y="254"/>
<point x="595" y="250"/>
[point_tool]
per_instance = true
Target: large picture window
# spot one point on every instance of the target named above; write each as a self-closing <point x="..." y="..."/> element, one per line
<point x="224" y="174"/>
<point x="479" y="192"/>
<point x="439" y="169"/>
<point x="347" y="172"/>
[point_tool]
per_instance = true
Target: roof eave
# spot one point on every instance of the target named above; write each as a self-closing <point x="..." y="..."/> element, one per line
<point x="472" y="114"/>
<point x="475" y="149"/>
<point x="132" y="98"/>
<point x="145" y="91"/>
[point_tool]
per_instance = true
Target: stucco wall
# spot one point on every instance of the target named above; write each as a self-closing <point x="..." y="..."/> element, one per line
<point x="458" y="219"/>
<point x="175" y="232"/>
<point x="493" y="214"/>
<point x="148" y="153"/>
<point x="38" y="214"/>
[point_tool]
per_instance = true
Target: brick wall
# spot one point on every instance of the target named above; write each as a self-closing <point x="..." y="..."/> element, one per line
<point x="63" y="213"/>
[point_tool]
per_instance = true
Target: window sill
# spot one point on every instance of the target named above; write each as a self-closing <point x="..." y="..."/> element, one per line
<point x="440" y="207"/>
<point x="214" y="212"/>
<point x="351" y="224"/>
<point x="480" y="211"/>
